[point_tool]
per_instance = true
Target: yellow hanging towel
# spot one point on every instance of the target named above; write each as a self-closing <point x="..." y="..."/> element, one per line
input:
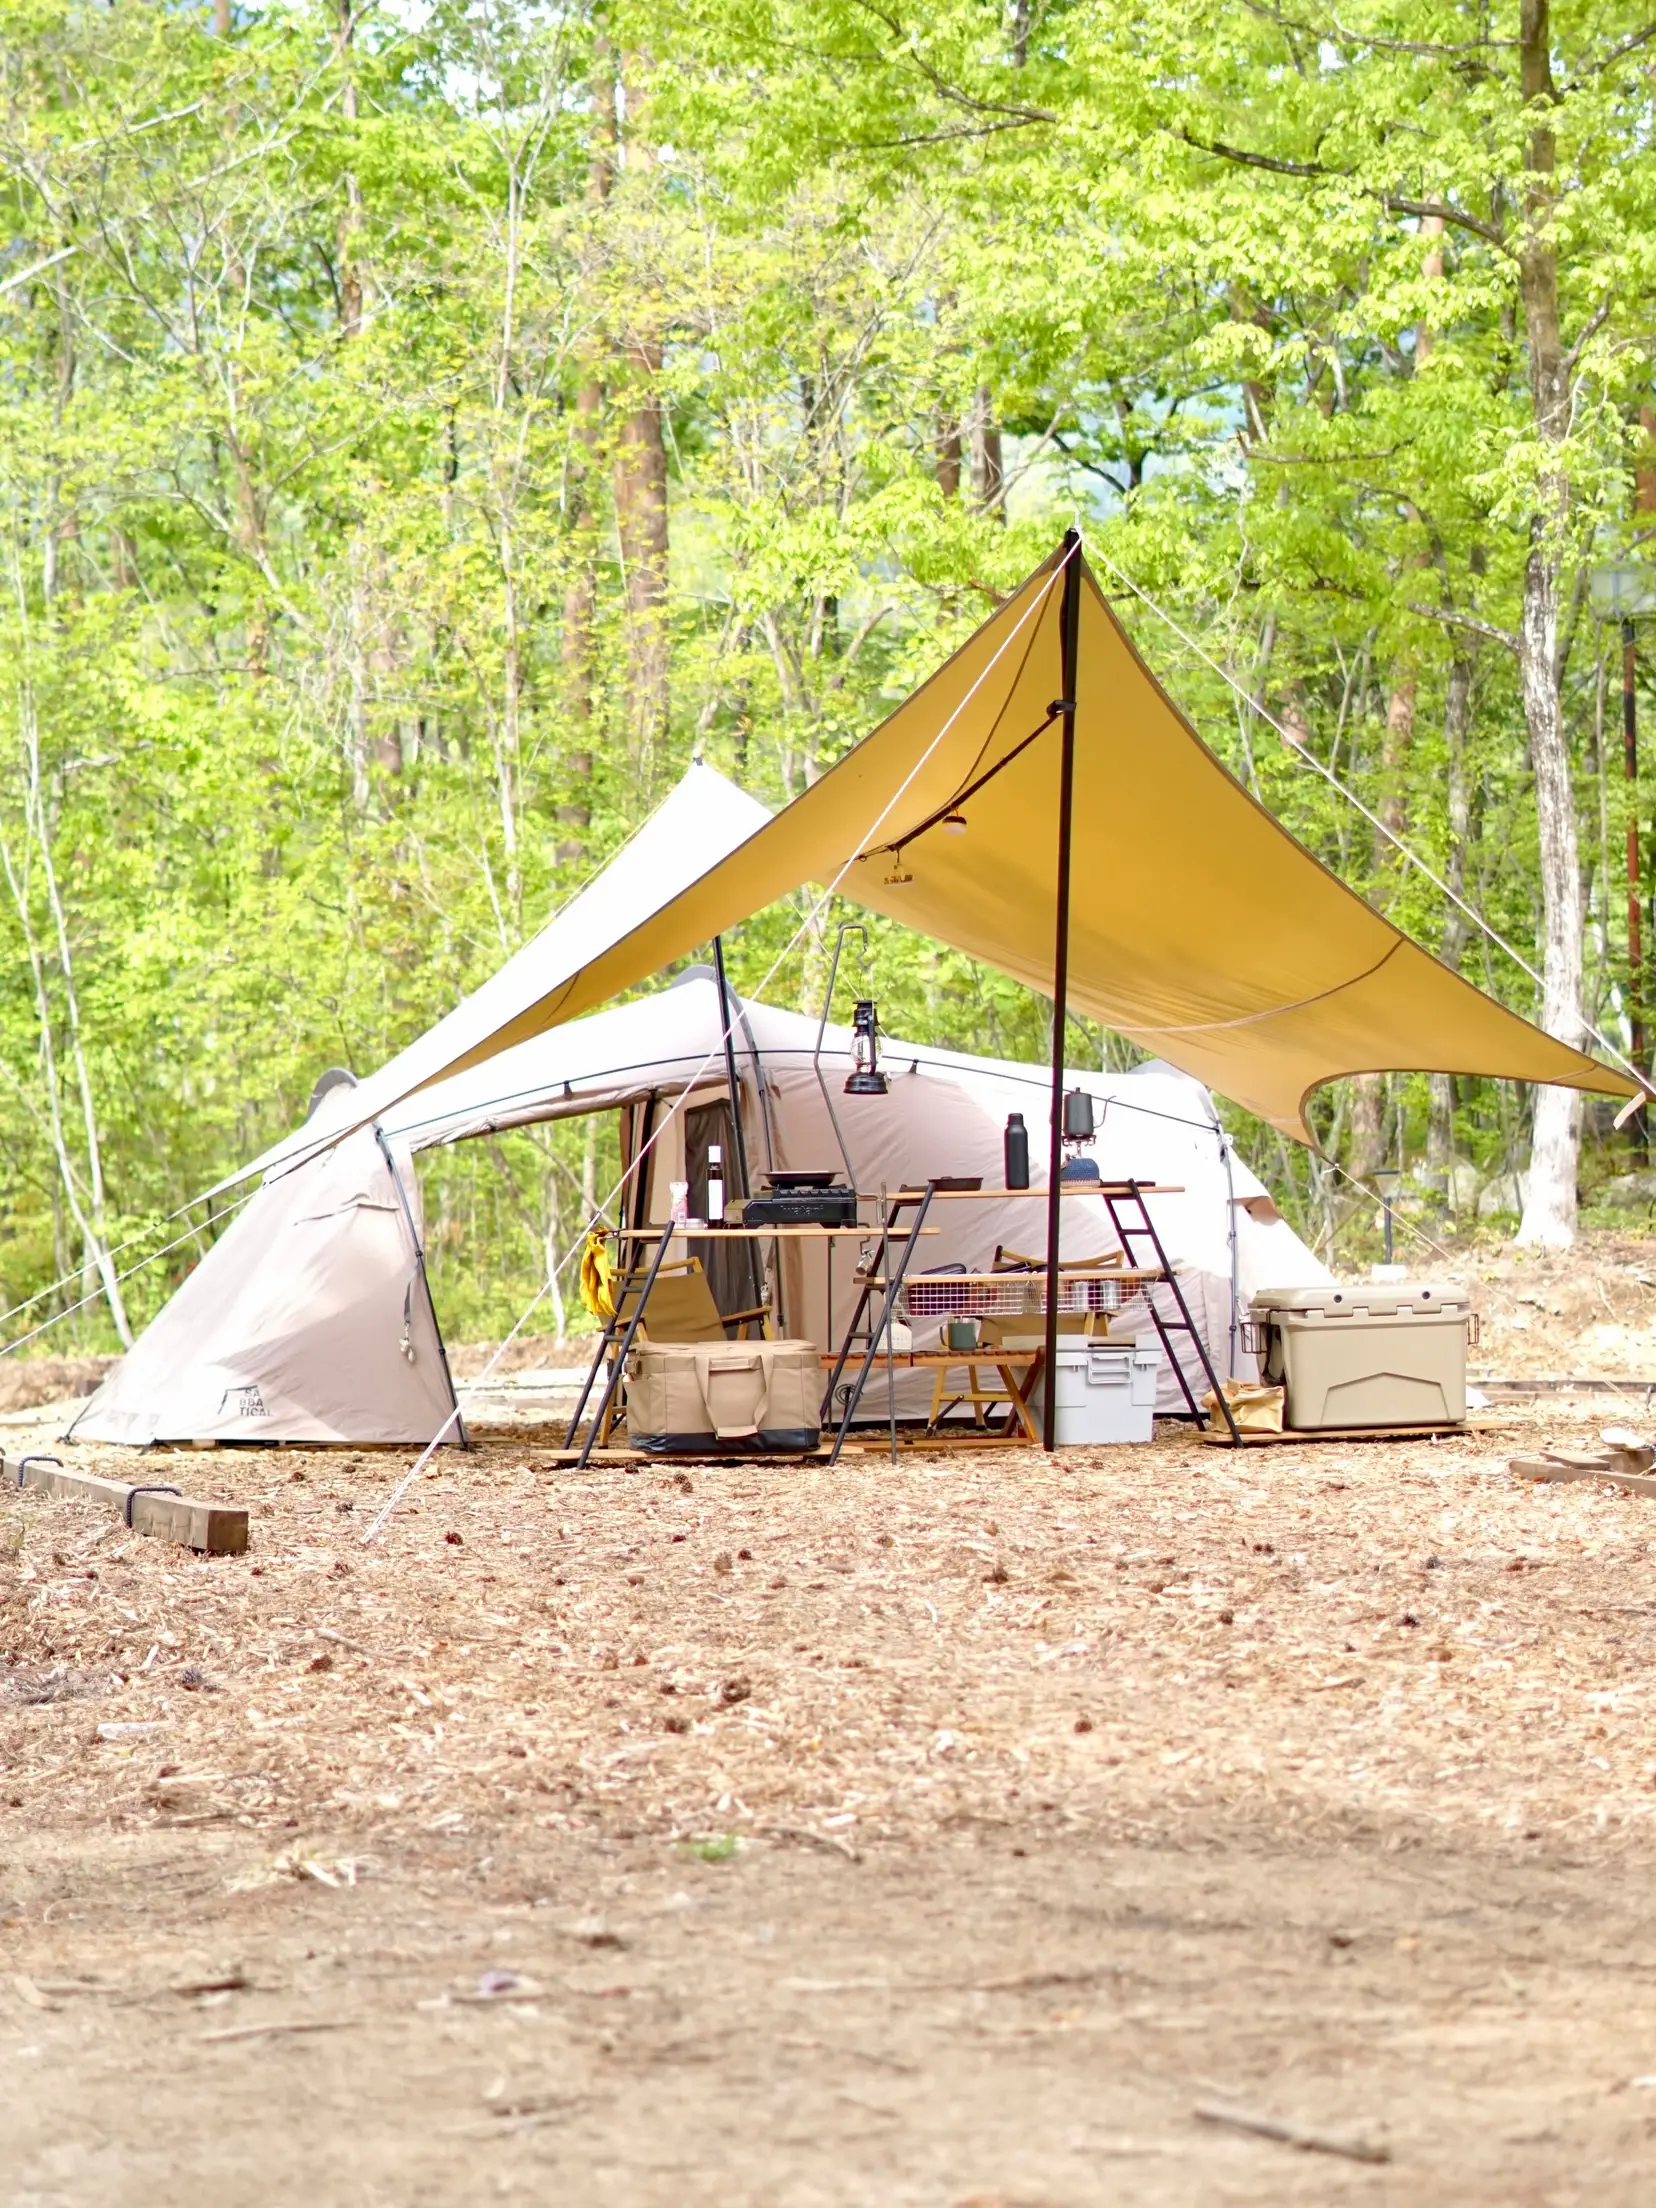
<point x="598" y="1276"/>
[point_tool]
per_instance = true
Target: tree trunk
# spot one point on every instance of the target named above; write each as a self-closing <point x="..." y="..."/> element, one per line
<point x="641" y="483"/>
<point x="250" y="541"/>
<point x="988" y="474"/>
<point x="948" y="456"/>
<point x="509" y="738"/>
<point x="1550" y="1201"/>
<point x="641" y="518"/>
<point x="1368" y="1090"/>
<point x="356" y="739"/>
<point x="1396" y="745"/>
<point x="1644" y="466"/>
<point x="579" y="609"/>
<point x="394" y="742"/>
<point x="89" y="1218"/>
<point x="1368" y="1124"/>
<point x="350" y="220"/>
<point x="578" y="646"/>
<point x="1457" y="712"/>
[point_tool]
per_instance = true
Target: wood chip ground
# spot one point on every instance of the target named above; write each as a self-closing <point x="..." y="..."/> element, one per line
<point x="939" y="1832"/>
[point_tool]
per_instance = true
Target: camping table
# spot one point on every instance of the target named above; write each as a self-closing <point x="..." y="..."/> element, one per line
<point x="1119" y="1198"/>
<point x="982" y="1287"/>
<point x="662" y="1236"/>
<point x="1018" y="1370"/>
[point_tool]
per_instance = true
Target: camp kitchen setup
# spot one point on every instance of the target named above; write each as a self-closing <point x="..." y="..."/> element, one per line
<point x="826" y="1237"/>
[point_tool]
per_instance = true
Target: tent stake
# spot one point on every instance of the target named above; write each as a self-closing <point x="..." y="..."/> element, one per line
<point x="1069" y="636"/>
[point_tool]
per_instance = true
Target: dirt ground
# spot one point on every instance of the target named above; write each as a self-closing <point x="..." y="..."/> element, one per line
<point x="1587" y="1311"/>
<point x="945" y="1832"/>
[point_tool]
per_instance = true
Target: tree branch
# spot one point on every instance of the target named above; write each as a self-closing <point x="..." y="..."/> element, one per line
<point x="1628" y="46"/>
<point x="1590" y="329"/>
<point x="935" y="137"/>
<point x="947" y="91"/>
<point x="1445" y="614"/>
<point x="1318" y="172"/>
<point x="1369" y="38"/>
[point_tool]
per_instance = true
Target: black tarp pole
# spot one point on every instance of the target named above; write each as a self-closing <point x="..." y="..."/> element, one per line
<point x="1069" y="625"/>
<point x="727" y="1020"/>
<point x="744" y="1188"/>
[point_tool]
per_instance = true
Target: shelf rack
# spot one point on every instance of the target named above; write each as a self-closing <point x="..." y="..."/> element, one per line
<point x="1132" y="1224"/>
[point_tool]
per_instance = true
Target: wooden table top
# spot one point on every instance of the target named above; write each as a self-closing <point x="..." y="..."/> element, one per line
<point x="1066" y="1188"/>
<point x="759" y="1234"/>
<point x="982" y="1355"/>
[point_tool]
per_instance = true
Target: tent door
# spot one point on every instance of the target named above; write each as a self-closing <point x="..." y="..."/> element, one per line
<point x="733" y="1269"/>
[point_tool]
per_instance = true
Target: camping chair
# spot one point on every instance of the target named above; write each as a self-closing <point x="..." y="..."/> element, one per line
<point x="681" y="1309"/>
<point x="681" y="1306"/>
<point x="1014" y="1261"/>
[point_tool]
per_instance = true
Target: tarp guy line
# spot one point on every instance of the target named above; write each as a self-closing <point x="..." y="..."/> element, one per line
<point x="1351" y="797"/>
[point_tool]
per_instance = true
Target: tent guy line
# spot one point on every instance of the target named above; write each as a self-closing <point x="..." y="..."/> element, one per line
<point x="1400" y="1218"/>
<point x="1310" y="759"/>
<point x="1072" y="551"/>
<point x="92" y="1296"/>
<point x="114" y="1249"/>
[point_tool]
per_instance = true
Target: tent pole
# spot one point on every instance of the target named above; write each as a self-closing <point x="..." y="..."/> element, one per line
<point x="744" y="1187"/>
<point x="1068" y="639"/>
<point x="727" y="1020"/>
<point x="425" y="1281"/>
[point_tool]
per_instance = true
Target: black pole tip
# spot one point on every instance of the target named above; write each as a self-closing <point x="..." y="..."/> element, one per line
<point x="1072" y="537"/>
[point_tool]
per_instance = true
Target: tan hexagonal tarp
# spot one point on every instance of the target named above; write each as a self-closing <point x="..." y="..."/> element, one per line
<point x="1199" y="927"/>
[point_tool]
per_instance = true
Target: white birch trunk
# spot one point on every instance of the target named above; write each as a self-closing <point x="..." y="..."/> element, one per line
<point x="1550" y="1201"/>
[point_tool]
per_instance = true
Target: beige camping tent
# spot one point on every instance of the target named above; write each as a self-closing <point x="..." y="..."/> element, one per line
<point x="309" y="1320"/>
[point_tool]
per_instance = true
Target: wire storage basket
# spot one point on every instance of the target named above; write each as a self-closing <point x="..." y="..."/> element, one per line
<point x="1007" y="1295"/>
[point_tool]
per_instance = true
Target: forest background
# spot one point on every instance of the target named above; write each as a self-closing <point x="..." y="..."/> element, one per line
<point x="425" y="426"/>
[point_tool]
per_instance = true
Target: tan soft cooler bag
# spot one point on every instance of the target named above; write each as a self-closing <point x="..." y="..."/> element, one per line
<point x="696" y="1396"/>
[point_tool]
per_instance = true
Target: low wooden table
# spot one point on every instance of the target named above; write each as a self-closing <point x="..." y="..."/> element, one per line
<point x="1018" y="1370"/>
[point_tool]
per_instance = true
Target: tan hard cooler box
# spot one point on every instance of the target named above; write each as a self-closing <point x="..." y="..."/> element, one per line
<point x="698" y="1396"/>
<point x="1381" y="1353"/>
